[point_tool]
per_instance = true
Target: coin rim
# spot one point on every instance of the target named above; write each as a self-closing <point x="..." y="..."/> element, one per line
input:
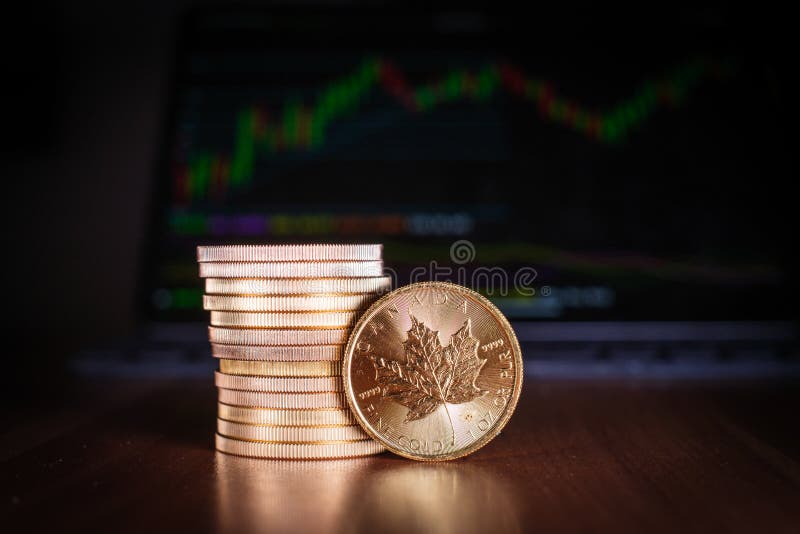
<point x="349" y="394"/>
<point x="272" y="353"/>
<point x="295" y="270"/>
<point x="231" y="364"/>
<point x="322" y="320"/>
<point x="236" y="430"/>
<point x="327" y="251"/>
<point x="292" y="451"/>
<point x="340" y="400"/>
<point x="345" y="283"/>
<point x="269" y="384"/>
<point x="240" y="336"/>
<point x="287" y="303"/>
<point x="283" y="419"/>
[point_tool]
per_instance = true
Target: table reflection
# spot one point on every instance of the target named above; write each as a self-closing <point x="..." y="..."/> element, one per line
<point x="361" y="495"/>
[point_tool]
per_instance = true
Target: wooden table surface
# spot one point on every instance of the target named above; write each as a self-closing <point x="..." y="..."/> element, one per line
<point x="589" y="457"/>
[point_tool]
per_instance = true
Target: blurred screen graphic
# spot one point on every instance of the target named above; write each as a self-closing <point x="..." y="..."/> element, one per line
<point x="637" y="179"/>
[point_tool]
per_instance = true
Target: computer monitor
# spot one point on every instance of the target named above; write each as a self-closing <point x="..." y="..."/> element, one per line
<point x="567" y="170"/>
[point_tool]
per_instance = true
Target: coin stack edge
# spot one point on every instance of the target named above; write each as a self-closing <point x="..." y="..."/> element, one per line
<point x="280" y="317"/>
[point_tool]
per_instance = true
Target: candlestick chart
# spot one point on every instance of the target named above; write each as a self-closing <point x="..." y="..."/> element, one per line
<point x="304" y="125"/>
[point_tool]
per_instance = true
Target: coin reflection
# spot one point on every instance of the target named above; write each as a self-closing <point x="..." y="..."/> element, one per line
<point x="360" y="495"/>
<point x="284" y="496"/>
<point x="439" y="498"/>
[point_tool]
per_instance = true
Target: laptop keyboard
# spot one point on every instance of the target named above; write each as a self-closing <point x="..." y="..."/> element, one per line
<point x="185" y="353"/>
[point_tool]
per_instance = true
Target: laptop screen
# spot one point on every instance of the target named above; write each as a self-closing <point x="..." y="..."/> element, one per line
<point x="565" y="169"/>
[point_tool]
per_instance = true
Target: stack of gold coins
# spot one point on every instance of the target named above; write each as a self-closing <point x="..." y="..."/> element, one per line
<point x="280" y="319"/>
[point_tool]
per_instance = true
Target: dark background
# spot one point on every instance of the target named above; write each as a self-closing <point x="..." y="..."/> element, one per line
<point x="87" y="89"/>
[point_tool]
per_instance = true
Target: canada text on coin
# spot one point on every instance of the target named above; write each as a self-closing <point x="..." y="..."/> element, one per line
<point x="433" y="371"/>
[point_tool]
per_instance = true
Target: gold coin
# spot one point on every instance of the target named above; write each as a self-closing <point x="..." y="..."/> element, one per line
<point x="301" y="353"/>
<point x="283" y="320"/>
<point x="282" y="401"/>
<point x="267" y="416"/>
<point x="299" y="286"/>
<point x="298" y="451"/>
<point x="433" y="371"/>
<point x="289" y="434"/>
<point x="287" y="269"/>
<point x="287" y="336"/>
<point x="288" y="304"/>
<point x="305" y="252"/>
<point x="317" y="384"/>
<point x="280" y="369"/>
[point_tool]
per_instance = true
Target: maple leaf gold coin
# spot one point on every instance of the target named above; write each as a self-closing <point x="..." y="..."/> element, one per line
<point x="433" y="371"/>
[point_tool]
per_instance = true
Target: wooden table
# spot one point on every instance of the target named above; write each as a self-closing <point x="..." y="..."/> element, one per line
<point x="589" y="457"/>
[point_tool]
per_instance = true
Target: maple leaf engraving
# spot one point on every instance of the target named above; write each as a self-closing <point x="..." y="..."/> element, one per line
<point x="431" y="375"/>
